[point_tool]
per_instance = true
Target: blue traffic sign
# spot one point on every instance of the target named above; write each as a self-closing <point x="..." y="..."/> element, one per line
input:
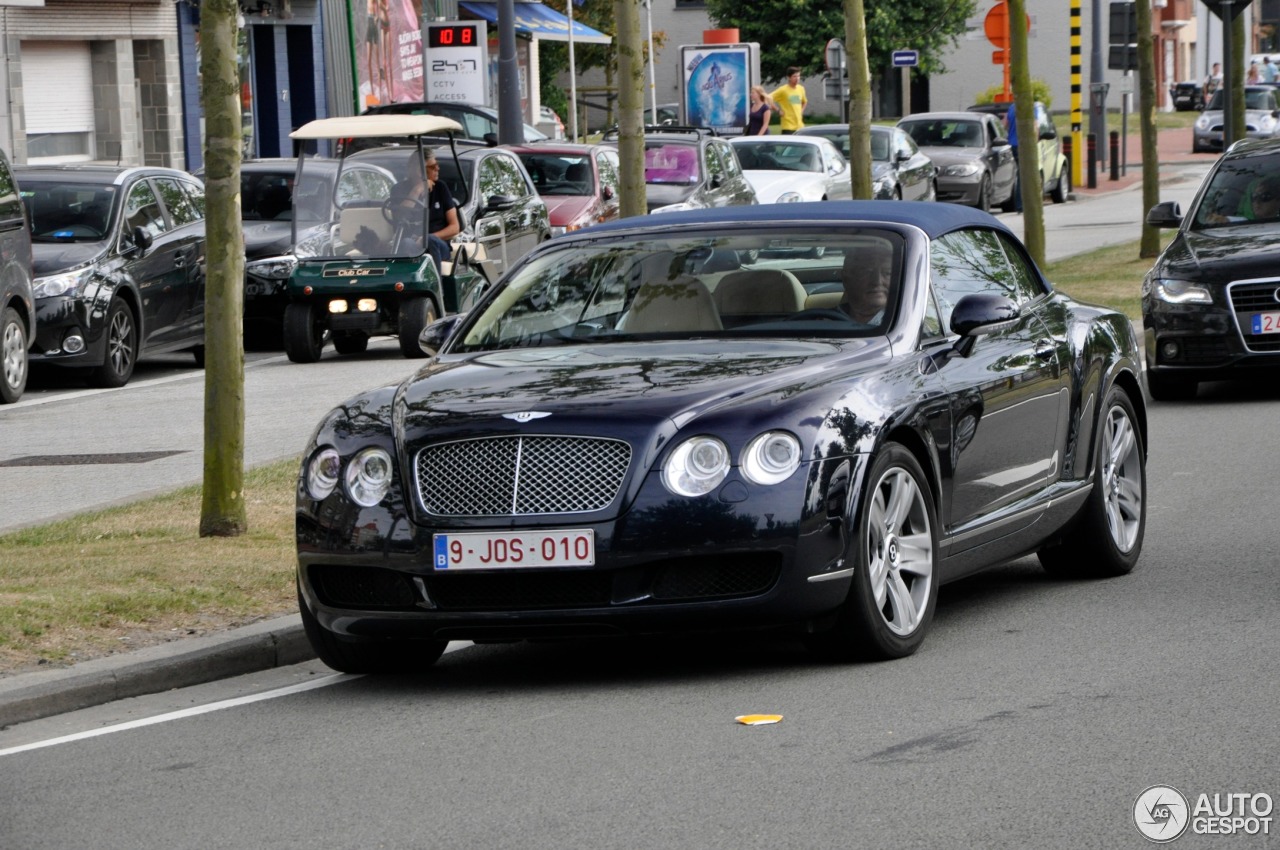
<point x="906" y="58"/>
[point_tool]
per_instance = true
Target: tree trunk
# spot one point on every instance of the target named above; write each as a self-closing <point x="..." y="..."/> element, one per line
<point x="222" y="509"/>
<point x="1028" y="134"/>
<point x="1150" y="244"/>
<point x="631" y="194"/>
<point x="855" y="37"/>
<point x="1238" y="128"/>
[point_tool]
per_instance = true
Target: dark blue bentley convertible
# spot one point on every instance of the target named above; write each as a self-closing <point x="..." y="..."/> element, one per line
<point x="801" y="415"/>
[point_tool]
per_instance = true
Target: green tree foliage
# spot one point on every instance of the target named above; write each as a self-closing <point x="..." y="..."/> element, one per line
<point x="796" y="32"/>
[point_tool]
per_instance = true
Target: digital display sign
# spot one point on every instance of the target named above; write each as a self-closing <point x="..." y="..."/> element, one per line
<point x="453" y="35"/>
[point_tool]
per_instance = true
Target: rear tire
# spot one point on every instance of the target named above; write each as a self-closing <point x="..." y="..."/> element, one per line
<point x="416" y="312"/>
<point x="894" y="588"/>
<point x="121" y="354"/>
<point x="13" y="356"/>
<point x="1062" y="189"/>
<point x="369" y="655"/>
<point x="1106" y="538"/>
<point x="303" y="335"/>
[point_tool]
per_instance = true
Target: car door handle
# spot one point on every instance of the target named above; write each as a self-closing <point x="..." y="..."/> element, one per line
<point x="184" y="256"/>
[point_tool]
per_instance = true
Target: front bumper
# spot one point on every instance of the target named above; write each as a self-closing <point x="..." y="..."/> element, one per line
<point x="959" y="190"/>
<point x="64" y="316"/>
<point x="1204" y="342"/>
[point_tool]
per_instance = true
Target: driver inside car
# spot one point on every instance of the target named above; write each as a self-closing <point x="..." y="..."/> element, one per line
<point x="867" y="276"/>
<point x="412" y="196"/>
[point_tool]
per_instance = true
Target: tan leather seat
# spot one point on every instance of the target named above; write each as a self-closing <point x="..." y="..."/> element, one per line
<point x="759" y="291"/>
<point x="680" y="305"/>
<point x="355" y="219"/>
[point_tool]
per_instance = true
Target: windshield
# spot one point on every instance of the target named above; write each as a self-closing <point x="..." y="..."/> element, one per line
<point x="370" y="204"/>
<point x="1260" y="99"/>
<point x="945" y="133"/>
<point x="764" y="283"/>
<point x="670" y="163"/>
<point x="68" y="212"/>
<point x="559" y="173"/>
<point x="266" y="197"/>
<point x="1242" y="190"/>
<point x="778" y="156"/>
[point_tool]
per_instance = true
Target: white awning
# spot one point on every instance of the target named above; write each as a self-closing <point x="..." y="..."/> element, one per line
<point x="366" y="126"/>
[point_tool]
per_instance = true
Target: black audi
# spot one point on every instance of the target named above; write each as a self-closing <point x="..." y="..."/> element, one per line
<point x="1211" y="302"/>
<point x="803" y="415"/>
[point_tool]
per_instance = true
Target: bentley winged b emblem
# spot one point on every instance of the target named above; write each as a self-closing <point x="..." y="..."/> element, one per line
<point x="526" y="415"/>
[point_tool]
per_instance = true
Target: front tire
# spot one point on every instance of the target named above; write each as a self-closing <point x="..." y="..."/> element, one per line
<point x="369" y="655"/>
<point x="303" y="334"/>
<point x="984" y="194"/>
<point x="416" y="313"/>
<point x="13" y="356"/>
<point x="1106" y="538"/>
<point x="122" y="348"/>
<point x="895" y="588"/>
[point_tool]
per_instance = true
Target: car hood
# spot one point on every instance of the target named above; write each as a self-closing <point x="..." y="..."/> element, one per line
<point x="770" y="185"/>
<point x="567" y="209"/>
<point x="49" y="258"/>
<point x="641" y="389"/>
<point x="662" y="194"/>
<point x="1221" y="255"/>
<point x="943" y="157"/>
<point x="267" y="239"/>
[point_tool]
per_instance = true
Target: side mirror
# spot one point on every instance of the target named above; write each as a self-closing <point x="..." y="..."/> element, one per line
<point x="607" y="193"/>
<point x="490" y="139"/>
<point x="1048" y="131"/>
<point x="902" y="156"/>
<point x="981" y="314"/>
<point x="142" y="241"/>
<point x="1165" y="214"/>
<point x="498" y="203"/>
<point x="436" y="334"/>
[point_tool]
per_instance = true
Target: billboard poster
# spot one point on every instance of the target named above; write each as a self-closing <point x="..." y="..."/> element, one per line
<point x="717" y="87"/>
<point x="389" y="52"/>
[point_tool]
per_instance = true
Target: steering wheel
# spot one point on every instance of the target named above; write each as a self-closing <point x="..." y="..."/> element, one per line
<point x="392" y="208"/>
<point x="824" y="313"/>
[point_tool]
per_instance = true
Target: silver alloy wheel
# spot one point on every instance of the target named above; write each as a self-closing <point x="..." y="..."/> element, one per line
<point x="119" y="344"/>
<point x="1122" y="479"/>
<point x="899" y="550"/>
<point x="13" y="350"/>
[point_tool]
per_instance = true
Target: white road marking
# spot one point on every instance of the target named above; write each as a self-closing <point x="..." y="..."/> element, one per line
<point x="184" y="713"/>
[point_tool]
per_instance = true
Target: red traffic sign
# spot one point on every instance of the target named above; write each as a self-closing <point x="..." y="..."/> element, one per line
<point x="995" y="25"/>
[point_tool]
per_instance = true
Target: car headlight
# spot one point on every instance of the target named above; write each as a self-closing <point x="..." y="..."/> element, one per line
<point x="68" y="283"/>
<point x="1181" y="292"/>
<point x="368" y="477"/>
<point x="1267" y="123"/>
<point x="1202" y="123"/>
<point x="696" y="466"/>
<point x="964" y="169"/>
<point x="789" y="198"/>
<point x="771" y="457"/>
<point x="322" y="473"/>
<point x="272" y="268"/>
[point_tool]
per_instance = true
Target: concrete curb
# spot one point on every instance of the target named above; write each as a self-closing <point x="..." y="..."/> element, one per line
<point x="190" y="661"/>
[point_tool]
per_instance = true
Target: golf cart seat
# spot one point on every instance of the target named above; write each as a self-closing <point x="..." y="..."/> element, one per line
<point x="355" y="220"/>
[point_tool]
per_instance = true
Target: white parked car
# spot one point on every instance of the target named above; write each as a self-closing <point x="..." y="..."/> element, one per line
<point x="785" y="169"/>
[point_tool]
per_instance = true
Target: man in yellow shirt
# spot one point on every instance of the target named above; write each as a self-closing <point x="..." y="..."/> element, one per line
<point x="791" y="100"/>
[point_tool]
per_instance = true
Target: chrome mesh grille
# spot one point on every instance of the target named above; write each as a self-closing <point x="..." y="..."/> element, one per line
<point x="519" y="476"/>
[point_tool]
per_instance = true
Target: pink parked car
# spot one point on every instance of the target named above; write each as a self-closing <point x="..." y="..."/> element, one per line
<point x="578" y="183"/>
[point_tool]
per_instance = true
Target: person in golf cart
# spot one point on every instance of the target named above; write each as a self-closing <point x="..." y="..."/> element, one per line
<point x="422" y="191"/>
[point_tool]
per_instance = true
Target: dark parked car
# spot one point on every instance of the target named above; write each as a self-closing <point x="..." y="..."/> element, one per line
<point x="899" y="169"/>
<point x="119" y="264"/>
<point x="578" y="183"/>
<point x="693" y="421"/>
<point x="1187" y="96"/>
<point x="975" y="163"/>
<point x="687" y="168"/>
<point x="1211" y="302"/>
<point x="17" y="306"/>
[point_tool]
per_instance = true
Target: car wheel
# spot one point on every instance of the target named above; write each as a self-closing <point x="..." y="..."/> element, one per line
<point x="1063" y="187"/>
<point x="415" y="314"/>
<point x="351" y="342"/>
<point x="13" y="356"/>
<point x="369" y="655"/>
<point x="303" y="334"/>
<point x="122" y="348"/>
<point x="984" y="194"/>
<point x="1166" y="388"/>
<point x="1106" y="537"/>
<point x="895" y="589"/>
<point x="198" y="353"/>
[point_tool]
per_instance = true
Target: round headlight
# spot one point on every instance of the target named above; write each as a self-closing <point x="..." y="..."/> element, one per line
<point x="322" y="473"/>
<point x="369" y="477"/>
<point x="771" y="457"/>
<point x="790" y="198"/>
<point x="696" y="466"/>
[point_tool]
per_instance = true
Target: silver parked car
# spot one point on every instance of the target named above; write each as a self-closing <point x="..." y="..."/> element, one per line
<point x="975" y="162"/>
<point x="899" y="169"/>
<point x="1260" y="118"/>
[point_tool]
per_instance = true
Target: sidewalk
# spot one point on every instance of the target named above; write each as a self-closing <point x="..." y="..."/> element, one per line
<point x="280" y="641"/>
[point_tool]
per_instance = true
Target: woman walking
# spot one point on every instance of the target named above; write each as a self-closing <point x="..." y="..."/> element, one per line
<point x="759" y="112"/>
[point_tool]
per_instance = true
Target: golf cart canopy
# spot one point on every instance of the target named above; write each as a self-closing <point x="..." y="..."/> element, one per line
<point x="364" y="126"/>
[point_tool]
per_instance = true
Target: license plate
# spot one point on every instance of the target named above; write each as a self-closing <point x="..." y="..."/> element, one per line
<point x="1266" y="323"/>
<point x="505" y="550"/>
